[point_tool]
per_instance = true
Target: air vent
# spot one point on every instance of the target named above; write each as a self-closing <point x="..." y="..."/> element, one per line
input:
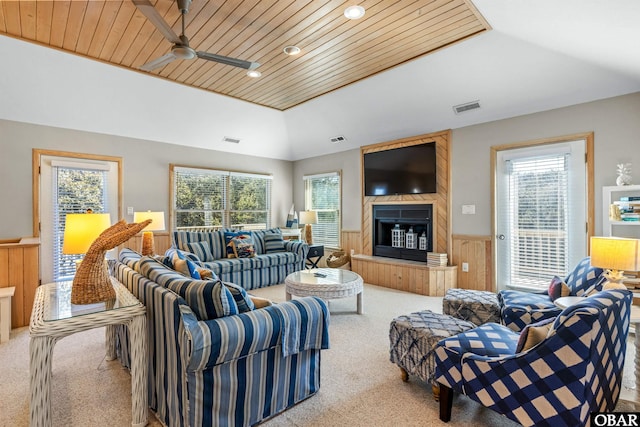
<point x="473" y="105"/>
<point x="231" y="140"/>
<point x="337" y="139"/>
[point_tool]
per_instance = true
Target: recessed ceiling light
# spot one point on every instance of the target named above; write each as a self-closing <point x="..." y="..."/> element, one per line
<point x="354" y="12"/>
<point x="291" y="50"/>
<point x="254" y="74"/>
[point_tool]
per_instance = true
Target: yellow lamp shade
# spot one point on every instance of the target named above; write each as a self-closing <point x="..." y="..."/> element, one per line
<point x="81" y="230"/>
<point x="615" y="253"/>
<point x="157" y="220"/>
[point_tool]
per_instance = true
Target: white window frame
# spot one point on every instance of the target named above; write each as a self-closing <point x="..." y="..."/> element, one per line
<point x="45" y="162"/>
<point x="319" y="231"/>
<point x="226" y="210"/>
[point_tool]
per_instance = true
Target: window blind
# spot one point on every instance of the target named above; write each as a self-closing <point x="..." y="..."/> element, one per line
<point x="538" y="212"/>
<point x="208" y="198"/>
<point x="323" y="195"/>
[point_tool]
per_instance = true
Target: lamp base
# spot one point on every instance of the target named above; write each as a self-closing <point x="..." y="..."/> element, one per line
<point x="147" y="243"/>
<point x="308" y="235"/>
<point x="614" y="279"/>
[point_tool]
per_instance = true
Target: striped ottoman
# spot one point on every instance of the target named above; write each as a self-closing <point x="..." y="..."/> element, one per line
<point x="413" y="338"/>
<point x="478" y="307"/>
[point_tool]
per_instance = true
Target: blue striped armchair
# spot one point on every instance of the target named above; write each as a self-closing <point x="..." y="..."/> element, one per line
<point x="572" y="368"/>
<point x="234" y="370"/>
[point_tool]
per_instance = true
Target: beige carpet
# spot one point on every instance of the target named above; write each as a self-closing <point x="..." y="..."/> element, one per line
<point x="360" y="387"/>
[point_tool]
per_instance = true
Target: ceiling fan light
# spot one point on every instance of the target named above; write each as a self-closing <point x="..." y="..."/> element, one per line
<point x="354" y="12"/>
<point x="183" y="52"/>
<point x="291" y="50"/>
<point x="254" y="74"/>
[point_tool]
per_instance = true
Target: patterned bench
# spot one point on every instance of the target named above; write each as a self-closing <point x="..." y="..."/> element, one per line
<point x="413" y="339"/>
<point x="479" y="307"/>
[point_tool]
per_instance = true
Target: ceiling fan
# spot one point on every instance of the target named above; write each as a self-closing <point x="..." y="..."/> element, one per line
<point x="181" y="48"/>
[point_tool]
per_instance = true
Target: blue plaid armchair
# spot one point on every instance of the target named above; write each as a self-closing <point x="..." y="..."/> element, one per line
<point x="574" y="370"/>
<point x="518" y="308"/>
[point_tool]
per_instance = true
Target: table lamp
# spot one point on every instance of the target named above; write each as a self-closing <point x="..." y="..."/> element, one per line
<point x="616" y="255"/>
<point x="307" y="218"/>
<point x="157" y="224"/>
<point x="80" y="231"/>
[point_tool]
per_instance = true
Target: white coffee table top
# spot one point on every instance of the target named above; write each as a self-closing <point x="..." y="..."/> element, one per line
<point x="325" y="283"/>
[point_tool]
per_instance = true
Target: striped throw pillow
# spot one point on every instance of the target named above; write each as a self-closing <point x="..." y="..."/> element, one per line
<point x="201" y="250"/>
<point x="241" y="297"/>
<point x="207" y="299"/>
<point x="273" y="242"/>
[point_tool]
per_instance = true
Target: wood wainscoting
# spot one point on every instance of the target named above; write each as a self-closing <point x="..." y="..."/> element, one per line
<point x="476" y="252"/>
<point x="20" y="268"/>
<point x="403" y="275"/>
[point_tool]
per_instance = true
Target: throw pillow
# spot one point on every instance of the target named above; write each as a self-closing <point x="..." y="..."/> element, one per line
<point x="207" y="274"/>
<point x="259" y="302"/>
<point x="534" y="334"/>
<point x="185" y="266"/>
<point x="207" y="299"/>
<point x="243" y="247"/>
<point x="201" y="250"/>
<point x="557" y="289"/>
<point x="273" y="242"/>
<point x="230" y="235"/>
<point x="240" y="296"/>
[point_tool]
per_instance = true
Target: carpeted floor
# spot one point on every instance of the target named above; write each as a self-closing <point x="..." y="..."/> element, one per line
<point x="359" y="386"/>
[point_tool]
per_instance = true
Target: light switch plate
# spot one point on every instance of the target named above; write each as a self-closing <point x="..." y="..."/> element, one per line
<point x="468" y="209"/>
<point x="130" y="210"/>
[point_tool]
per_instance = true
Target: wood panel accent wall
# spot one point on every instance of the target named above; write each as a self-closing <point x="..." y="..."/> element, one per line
<point x="20" y="267"/>
<point x="476" y="251"/>
<point x="403" y="275"/>
<point x="441" y="200"/>
<point x="351" y="239"/>
<point x="161" y="239"/>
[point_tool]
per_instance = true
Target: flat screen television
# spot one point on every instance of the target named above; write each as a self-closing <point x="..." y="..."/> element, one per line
<point x="404" y="170"/>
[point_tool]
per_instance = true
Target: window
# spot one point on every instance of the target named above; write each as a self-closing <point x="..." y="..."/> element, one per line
<point x="322" y="194"/>
<point x="541" y="225"/>
<point x="213" y="199"/>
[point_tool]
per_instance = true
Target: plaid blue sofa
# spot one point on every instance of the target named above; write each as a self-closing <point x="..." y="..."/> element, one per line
<point x="236" y="370"/>
<point x="519" y="309"/>
<point x="574" y="370"/>
<point x="208" y="250"/>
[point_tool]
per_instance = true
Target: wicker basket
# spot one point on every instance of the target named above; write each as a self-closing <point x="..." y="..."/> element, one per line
<point x="338" y="259"/>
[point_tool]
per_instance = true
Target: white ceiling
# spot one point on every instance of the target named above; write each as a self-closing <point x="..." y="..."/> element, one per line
<point x="540" y="55"/>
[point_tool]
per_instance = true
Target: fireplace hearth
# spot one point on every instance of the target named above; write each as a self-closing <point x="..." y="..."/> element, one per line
<point x="388" y="220"/>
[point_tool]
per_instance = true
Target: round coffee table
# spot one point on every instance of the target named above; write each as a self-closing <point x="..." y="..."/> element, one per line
<point x="325" y="283"/>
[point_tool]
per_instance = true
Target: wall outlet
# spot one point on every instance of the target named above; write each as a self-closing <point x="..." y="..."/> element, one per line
<point x="465" y="267"/>
<point x="130" y="210"/>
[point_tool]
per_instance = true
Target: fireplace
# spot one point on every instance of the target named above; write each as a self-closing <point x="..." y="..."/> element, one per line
<point x="390" y="226"/>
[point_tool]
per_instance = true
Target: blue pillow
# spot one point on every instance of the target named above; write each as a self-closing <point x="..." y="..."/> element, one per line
<point x="241" y="297"/>
<point x="207" y="299"/>
<point x="201" y="250"/>
<point x="273" y="242"/>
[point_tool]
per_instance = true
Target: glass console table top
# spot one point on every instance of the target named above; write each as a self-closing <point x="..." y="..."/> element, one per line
<point x="58" y="306"/>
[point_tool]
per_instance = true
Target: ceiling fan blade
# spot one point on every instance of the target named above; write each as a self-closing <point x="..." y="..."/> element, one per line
<point x="248" y="65"/>
<point x="159" y="62"/>
<point x="154" y="17"/>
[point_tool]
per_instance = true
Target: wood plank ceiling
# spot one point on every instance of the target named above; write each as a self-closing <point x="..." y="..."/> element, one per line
<point x="335" y="51"/>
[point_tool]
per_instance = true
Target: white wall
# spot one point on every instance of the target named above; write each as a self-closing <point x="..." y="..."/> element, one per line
<point x="614" y="121"/>
<point x="145" y="170"/>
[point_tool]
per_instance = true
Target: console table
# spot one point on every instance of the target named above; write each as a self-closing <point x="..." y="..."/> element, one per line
<point x="54" y="317"/>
